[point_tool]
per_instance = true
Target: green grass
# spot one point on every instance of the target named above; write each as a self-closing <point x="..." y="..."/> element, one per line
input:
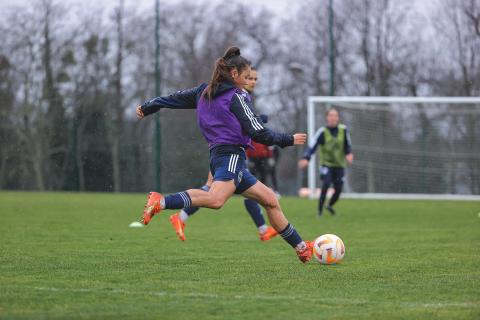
<point x="68" y="255"/>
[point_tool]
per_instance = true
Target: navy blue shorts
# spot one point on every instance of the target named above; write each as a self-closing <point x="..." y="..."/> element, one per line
<point x="333" y="175"/>
<point x="226" y="167"/>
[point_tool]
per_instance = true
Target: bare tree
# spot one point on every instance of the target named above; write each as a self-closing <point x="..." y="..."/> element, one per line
<point x="7" y="136"/>
<point x="22" y="40"/>
<point x="472" y="10"/>
<point x="457" y="30"/>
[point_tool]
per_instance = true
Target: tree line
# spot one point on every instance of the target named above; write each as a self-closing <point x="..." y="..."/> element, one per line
<point x="70" y="77"/>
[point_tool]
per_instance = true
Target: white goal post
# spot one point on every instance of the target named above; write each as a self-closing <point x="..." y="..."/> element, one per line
<point x="427" y="146"/>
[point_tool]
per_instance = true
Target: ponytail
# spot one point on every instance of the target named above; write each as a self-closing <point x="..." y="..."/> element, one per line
<point x="221" y="72"/>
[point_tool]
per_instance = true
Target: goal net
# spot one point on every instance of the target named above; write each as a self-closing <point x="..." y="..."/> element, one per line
<point x="405" y="146"/>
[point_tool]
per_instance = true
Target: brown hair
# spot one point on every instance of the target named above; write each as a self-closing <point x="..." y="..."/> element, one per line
<point x="230" y="60"/>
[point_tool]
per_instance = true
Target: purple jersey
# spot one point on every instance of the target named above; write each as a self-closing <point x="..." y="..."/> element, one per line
<point x="219" y="125"/>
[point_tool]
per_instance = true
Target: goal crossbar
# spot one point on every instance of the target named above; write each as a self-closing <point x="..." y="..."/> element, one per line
<point x="336" y="99"/>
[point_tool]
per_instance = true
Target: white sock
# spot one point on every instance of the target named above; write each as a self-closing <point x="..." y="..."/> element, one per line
<point x="301" y="246"/>
<point x="162" y="203"/>
<point x="262" y="229"/>
<point x="183" y="215"/>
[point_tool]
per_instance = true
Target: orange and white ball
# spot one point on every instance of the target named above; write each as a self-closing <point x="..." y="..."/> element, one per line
<point x="328" y="249"/>
<point x="303" y="192"/>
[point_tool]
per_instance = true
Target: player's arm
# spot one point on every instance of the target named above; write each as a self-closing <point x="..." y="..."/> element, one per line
<point x="255" y="128"/>
<point x="184" y="99"/>
<point x="319" y="139"/>
<point x="347" y="147"/>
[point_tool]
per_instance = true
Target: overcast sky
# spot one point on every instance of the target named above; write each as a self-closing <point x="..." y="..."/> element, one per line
<point x="279" y="6"/>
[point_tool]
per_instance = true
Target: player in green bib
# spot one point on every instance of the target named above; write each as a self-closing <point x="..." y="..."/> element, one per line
<point x="335" y="152"/>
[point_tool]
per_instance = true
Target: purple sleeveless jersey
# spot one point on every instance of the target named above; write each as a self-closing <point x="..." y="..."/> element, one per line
<point x="218" y="124"/>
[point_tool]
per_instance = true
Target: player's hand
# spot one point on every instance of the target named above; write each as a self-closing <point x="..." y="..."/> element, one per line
<point x="299" y="138"/>
<point x="349" y="158"/>
<point x="139" y="112"/>
<point x="303" y="163"/>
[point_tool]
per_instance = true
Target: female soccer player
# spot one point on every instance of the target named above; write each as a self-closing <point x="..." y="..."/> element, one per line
<point x="335" y="152"/>
<point x="265" y="232"/>
<point x="228" y="124"/>
<point x="262" y="160"/>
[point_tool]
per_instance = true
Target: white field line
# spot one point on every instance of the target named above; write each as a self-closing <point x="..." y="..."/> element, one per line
<point x="273" y="297"/>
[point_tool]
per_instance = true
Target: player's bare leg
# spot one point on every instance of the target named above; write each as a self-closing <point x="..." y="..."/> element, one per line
<point x="266" y="198"/>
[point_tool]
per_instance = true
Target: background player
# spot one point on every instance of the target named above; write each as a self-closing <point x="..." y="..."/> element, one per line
<point x="335" y="152"/>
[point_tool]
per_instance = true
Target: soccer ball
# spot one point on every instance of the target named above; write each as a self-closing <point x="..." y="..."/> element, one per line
<point x="328" y="249"/>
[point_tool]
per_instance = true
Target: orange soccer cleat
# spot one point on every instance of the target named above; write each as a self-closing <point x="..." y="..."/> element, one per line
<point x="306" y="254"/>
<point x="269" y="234"/>
<point x="152" y="207"/>
<point x="178" y="225"/>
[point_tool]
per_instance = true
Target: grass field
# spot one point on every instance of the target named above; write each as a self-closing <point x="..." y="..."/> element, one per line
<point x="68" y="255"/>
